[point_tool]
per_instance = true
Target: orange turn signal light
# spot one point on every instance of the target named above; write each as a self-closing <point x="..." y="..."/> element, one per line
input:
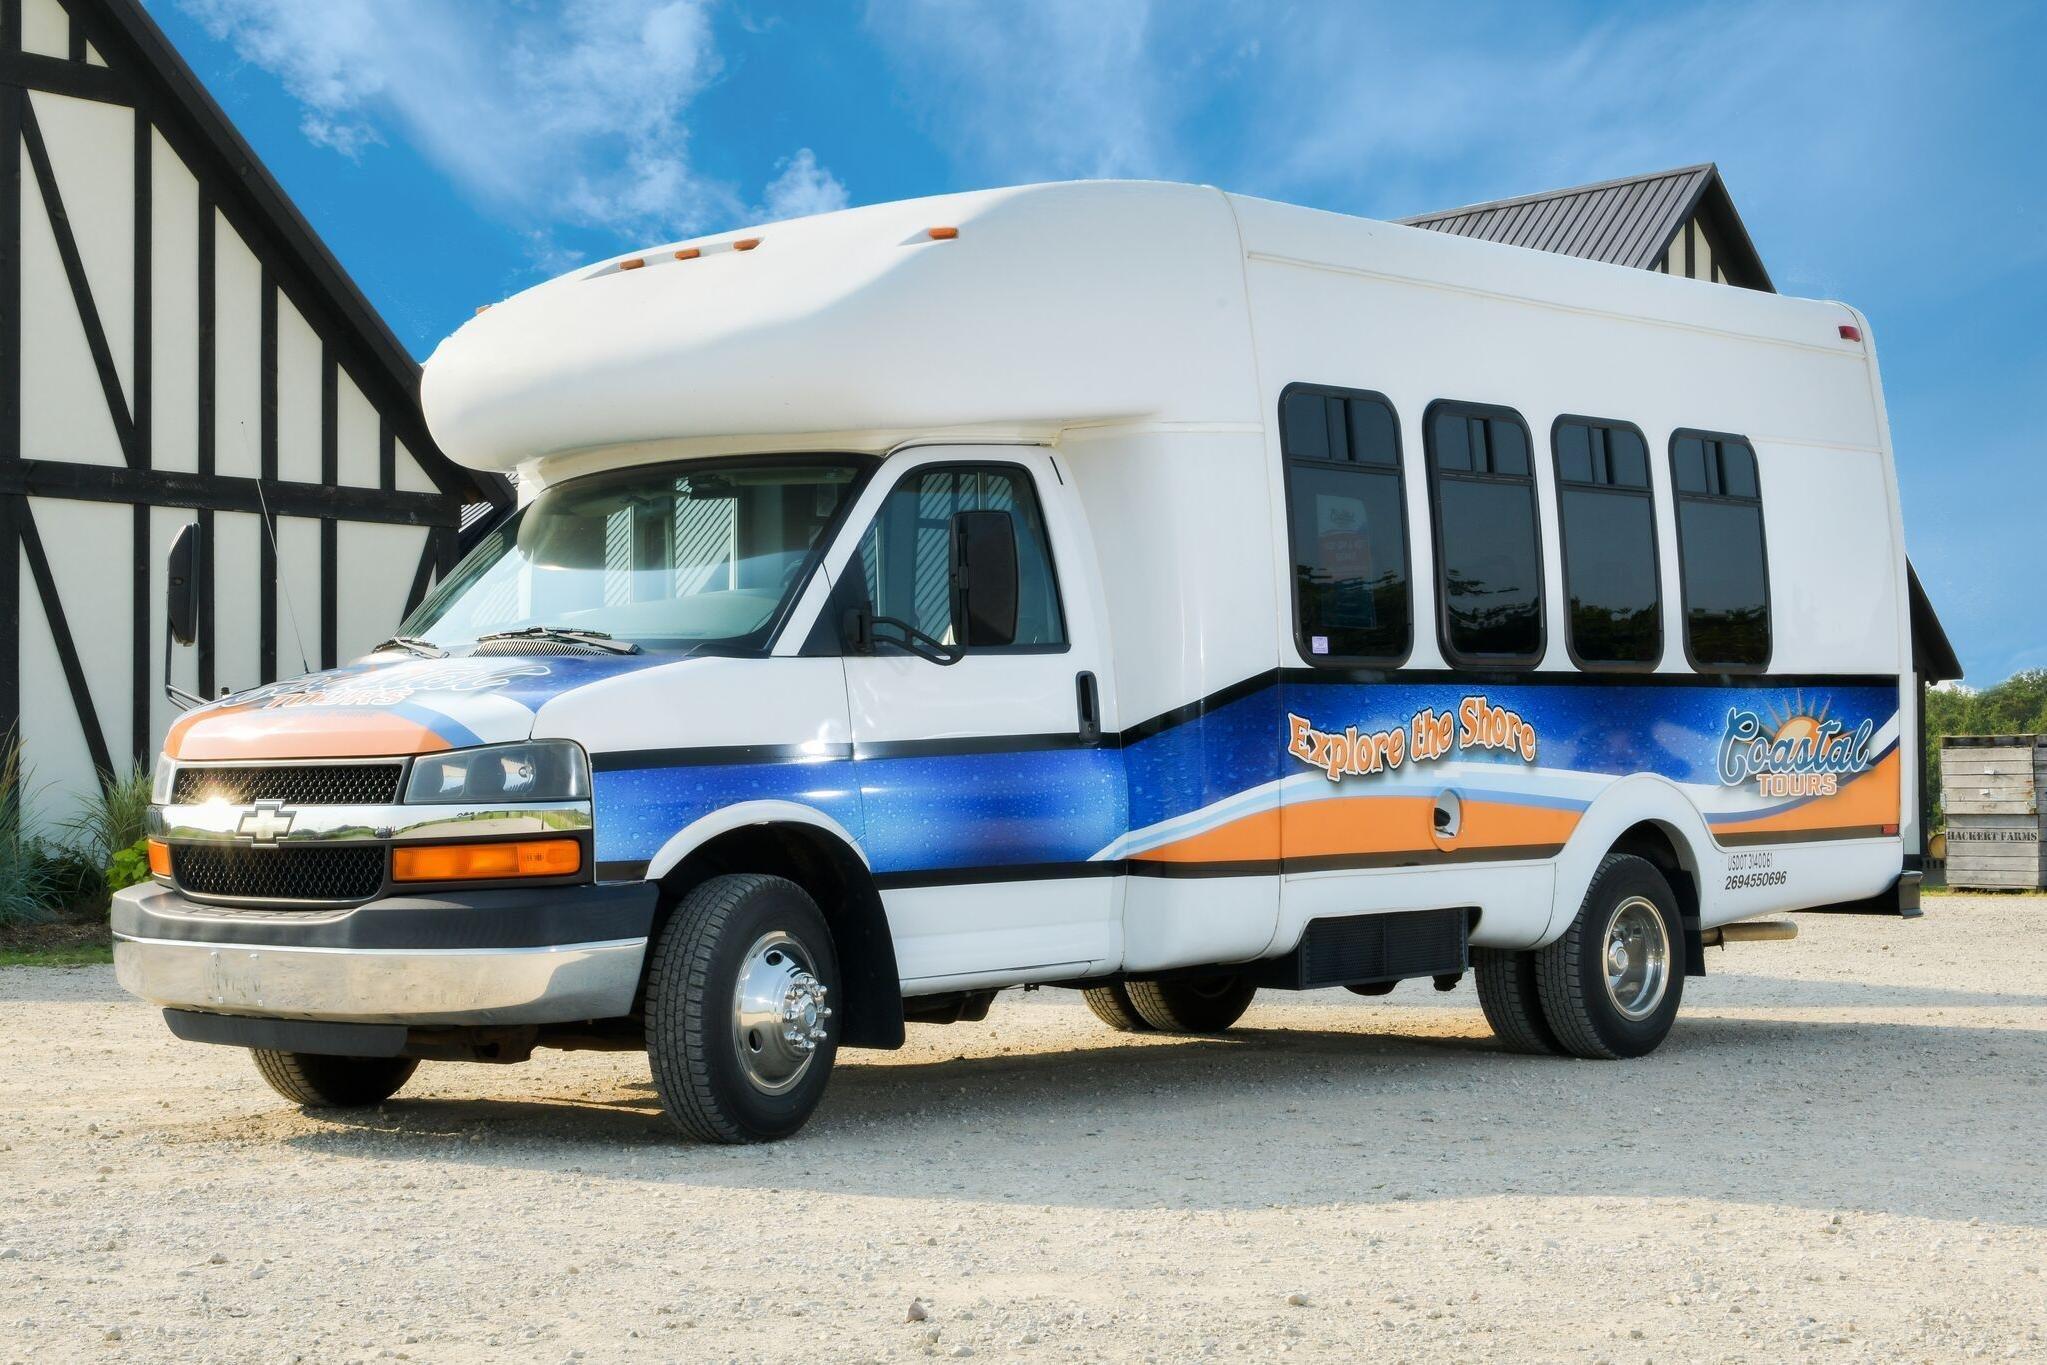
<point x="943" y="234"/>
<point x="159" y="858"/>
<point x="746" y="243"/>
<point x="486" y="862"/>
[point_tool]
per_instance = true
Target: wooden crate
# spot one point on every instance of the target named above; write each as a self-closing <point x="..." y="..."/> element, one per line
<point x="1990" y="791"/>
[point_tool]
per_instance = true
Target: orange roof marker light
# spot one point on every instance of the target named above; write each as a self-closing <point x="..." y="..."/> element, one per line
<point x="632" y="263"/>
<point x="482" y="308"/>
<point x="746" y="243"/>
<point x="942" y="234"/>
<point x="688" y="253"/>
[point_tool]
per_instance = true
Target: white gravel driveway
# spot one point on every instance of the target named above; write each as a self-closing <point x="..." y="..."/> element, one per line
<point x="1837" y="1156"/>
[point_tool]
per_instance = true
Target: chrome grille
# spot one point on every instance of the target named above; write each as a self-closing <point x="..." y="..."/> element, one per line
<point x="280" y="874"/>
<point x="295" y="784"/>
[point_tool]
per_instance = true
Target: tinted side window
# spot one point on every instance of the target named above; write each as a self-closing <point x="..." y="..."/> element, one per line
<point x="906" y="555"/>
<point x="1488" y="548"/>
<point x="1608" y="521"/>
<point x="1347" y="524"/>
<point x="1720" y="550"/>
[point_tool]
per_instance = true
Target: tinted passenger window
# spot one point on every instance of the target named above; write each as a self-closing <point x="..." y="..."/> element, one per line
<point x="1720" y="551"/>
<point x="1608" y="522"/>
<point x="906" y="555"/>
<point x="1488" y="551"/>
<point x="1347" y="523"/>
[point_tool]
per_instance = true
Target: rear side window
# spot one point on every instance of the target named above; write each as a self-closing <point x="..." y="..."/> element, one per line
<point x="1720" y="550"/>
<point x="1488" y="548"/>
<point x="1347" y="525"/>
<point x="1607" y="519"/>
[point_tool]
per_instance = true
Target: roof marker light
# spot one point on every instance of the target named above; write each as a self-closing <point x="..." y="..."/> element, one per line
<point x="632" y="263"/>
<point x="688" y="253"/>
<point x="482" y="308"/>
<point x="1850" y="332"/>
<point x="746" y="243"/>
<point x="943" y="234"/>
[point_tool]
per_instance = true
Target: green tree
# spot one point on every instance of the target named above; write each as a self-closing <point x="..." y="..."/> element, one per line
<point x="2016" y="706"/>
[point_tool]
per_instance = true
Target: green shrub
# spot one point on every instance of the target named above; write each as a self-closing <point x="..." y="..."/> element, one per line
<point x="129" y="867"/>
<point x="113" y="818"/>
<point x="27" y="883"/>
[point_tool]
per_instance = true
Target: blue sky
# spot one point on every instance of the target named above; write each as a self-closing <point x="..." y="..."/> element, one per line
<point x="1891" y="155"/>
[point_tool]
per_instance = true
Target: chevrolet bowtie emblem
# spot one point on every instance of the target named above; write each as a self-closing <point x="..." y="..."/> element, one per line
<point x="267" y="823"/>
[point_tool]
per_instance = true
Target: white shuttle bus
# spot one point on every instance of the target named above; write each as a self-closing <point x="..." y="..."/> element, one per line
<point x="1133" y="588"/>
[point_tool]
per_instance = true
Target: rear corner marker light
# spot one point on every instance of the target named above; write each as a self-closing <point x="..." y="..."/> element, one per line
<point x="486" y="862"/>
<point x="632" y="263"/>
<point x="943" y="234"/>
<point x="746" y="243"/>
<point x="1850" y="332"/>
<point x="688" y="253"/>
<point x="159" y="858"/>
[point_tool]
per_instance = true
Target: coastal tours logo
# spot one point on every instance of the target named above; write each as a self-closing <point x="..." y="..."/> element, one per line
<point x="1799" y="750"/>
<point x="1476" y="724"/>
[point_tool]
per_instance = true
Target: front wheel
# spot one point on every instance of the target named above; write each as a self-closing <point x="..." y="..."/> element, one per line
<point x="740" y="1023"/>
<point x="1611" y="985"/>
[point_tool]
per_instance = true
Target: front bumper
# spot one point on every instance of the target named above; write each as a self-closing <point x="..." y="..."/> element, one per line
<point x="544" y="955"/>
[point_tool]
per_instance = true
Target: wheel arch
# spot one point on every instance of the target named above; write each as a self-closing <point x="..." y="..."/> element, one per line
<point x="783" y="839"/>
<point x="1651" y="818"/>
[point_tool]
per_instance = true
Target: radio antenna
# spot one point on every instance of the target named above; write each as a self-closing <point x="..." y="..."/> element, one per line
<point x="277" y="558"/>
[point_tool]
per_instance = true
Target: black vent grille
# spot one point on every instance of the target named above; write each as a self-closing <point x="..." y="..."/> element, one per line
<point x="332" y="873"/>
<point x="536" y="647"/>
<point x="1363" y="948"/>
<point x="299" y="784"/>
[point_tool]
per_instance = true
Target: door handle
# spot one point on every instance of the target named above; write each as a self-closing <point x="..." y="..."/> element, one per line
<point x="1089" y="699"/>
<point x="1090" y="704"/>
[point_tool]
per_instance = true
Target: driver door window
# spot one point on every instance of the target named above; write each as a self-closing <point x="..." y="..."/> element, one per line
<point x="905" y="558"/>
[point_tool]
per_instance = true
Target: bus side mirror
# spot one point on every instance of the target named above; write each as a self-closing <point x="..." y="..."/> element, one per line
<point x="181" y="601"/>
<point x="181" y="607"/>
<point x="984" y="587"/>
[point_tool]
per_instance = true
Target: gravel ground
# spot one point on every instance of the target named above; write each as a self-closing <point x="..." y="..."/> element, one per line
<point x="1837" y="1156"/>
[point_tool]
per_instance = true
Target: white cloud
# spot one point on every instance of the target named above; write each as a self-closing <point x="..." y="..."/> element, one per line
<point x="1056" y="89"/>
<point x="571" y="116"/>
<point x="802" y="188"/>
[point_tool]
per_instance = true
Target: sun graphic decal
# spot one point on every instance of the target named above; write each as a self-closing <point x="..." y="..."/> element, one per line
<point x="1800" y="751"/>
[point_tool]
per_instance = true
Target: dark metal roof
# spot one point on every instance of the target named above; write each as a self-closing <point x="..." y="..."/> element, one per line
<point x="189" y="118"/>
<point x="1629" y="222"/>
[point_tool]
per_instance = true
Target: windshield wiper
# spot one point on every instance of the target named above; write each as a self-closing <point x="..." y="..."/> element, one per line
<point x="412" y="644"/>
<point x="596" y="639"/>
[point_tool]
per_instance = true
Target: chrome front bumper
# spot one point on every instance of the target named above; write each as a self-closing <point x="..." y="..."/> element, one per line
<point x="554" y="955"/>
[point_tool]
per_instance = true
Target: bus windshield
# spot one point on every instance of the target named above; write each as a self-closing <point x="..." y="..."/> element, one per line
<point x="673" y="556"/>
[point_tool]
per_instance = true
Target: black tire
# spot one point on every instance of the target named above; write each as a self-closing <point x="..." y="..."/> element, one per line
<point x="1512" y="1001"/>
<point x="319" y="1082"/>
<point x="1208" y="1004"/>
<point x="693" y="975"/>
<point x="1572" y="975"/>
<point x="1111" y="1004"/>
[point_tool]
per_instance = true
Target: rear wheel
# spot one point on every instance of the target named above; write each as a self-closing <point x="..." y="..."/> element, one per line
<point x="1512" y="1001"/>
<point x="739" y="1020"/>
<point x="1207" y="1004"/>
<point x="320" y="1082"/>
<point x="1111" y="1004"/>
<point x="1612" y="984"/>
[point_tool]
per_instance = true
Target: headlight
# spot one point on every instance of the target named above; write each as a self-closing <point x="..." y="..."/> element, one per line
<point x="160" y="781"/>
<point x="540" y="770"/>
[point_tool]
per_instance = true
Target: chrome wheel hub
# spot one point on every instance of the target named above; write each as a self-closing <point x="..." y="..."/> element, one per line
<point x="778" y="1013"/>
<point x="1637" y="958"/>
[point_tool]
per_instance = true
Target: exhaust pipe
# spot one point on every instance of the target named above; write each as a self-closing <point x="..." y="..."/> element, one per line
<point x="1765" y="931"/>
